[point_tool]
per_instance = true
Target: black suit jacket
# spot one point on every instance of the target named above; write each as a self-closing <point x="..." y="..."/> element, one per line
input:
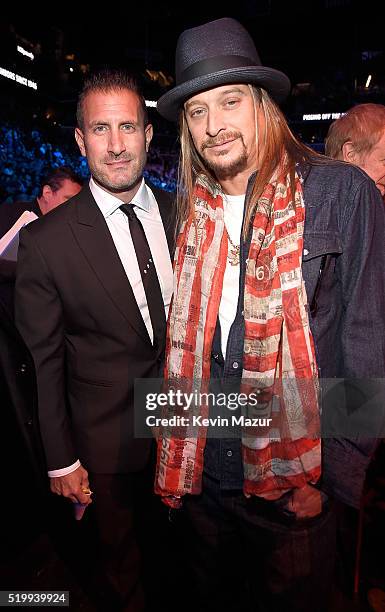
<point x="11" y="211"/>
<point x="77" y="313"/>
<point x="21" y="445"/>
<point x="24" y="476"/>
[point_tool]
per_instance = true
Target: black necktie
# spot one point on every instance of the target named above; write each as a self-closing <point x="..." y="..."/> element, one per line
<point x="148" y="273"/>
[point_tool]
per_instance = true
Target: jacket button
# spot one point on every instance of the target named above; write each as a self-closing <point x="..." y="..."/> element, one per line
<point x="23" y="368"/>
<point x="29" y="422"/>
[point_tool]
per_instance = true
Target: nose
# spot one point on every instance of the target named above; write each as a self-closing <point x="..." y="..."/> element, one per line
<point x="215" y="122"/>
<point x="116" y="144"/>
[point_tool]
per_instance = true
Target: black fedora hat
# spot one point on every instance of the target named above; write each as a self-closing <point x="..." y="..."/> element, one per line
<point x="214" y="54"/>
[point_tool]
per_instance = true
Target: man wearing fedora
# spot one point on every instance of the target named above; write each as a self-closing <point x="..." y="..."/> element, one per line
<point x="278" y="277"/>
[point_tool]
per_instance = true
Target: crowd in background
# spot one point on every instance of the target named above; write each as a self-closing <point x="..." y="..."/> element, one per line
<point x="27" y="155"/>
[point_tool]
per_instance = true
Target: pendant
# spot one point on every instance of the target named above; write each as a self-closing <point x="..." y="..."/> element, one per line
<point x="233" y="255"/>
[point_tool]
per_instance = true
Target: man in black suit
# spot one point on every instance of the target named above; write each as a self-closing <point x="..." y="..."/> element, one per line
<point x="90" y="319"/>
<point x="56" y="187"/>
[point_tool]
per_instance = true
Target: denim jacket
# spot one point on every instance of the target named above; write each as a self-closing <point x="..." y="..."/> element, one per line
<point x="345" y="233"/>
<point x="344" y="273"/>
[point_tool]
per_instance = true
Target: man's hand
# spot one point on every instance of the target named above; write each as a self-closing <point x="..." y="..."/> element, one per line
<point x="72" y="486"/>
<point x="306" y="502"/>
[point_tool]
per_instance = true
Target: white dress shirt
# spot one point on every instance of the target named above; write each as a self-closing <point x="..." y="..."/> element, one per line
<point x="233" y="215"/>
<point x="147" y="211"/>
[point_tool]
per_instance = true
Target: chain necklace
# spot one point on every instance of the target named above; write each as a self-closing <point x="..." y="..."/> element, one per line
<point x="233" y="252"/>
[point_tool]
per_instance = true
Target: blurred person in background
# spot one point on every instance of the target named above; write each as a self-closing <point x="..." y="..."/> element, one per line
<point x="358" y="137"/>
<point x="57" y="187"/>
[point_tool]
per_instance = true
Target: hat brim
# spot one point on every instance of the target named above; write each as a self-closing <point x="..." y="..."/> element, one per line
<point x="276" y="83"/>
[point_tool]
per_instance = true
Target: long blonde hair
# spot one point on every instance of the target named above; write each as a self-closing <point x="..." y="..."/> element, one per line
<point x="281" y="149"/>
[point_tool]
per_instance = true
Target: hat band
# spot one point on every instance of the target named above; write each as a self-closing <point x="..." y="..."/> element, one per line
<point x="214" y="64"/>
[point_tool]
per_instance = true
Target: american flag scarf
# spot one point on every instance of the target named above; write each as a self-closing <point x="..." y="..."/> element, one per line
<point x="279" y="357"/>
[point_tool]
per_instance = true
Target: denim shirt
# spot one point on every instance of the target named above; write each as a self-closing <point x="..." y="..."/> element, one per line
<point x="344" y="238"/>
<point x="222" y="458"/>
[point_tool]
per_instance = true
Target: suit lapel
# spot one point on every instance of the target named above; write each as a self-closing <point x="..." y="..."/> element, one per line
<point x="167" y="212"/>
<point x="94" y="239"/>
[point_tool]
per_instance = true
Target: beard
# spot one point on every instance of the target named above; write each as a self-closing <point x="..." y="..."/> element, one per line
<point x="122" y="179"/>
<point x="222" y="166"/>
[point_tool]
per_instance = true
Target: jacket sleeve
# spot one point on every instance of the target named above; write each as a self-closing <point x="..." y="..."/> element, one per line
<point x="361" y="269"/>
<point x="362" y="274"/>
<point x="39" y="318"/>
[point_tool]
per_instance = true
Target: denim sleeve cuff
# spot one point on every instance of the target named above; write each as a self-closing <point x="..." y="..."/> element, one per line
<point x="344" y="469"/>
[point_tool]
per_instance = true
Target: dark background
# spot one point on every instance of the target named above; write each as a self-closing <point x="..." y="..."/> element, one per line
<point x="327" y="47"/>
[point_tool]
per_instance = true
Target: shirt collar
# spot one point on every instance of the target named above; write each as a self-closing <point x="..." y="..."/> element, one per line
<point x="109" y="203"/>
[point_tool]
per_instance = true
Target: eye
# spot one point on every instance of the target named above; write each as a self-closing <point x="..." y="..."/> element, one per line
<point x="98" y="129"/>
<point x="128" y="127"/>
<point x="231" y="102"/>
<point x="197" y="112"/>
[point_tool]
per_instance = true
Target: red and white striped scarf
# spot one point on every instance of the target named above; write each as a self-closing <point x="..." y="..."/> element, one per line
<point x="278" y="345"/>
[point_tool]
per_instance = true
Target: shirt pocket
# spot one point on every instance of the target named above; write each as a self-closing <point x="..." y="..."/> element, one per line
<point x="317" y="244"/>
<point x="93" y="381"/>
<point x="320" y="254"/>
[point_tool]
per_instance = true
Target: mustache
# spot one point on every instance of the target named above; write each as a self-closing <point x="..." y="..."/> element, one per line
<point x="116" y="158"/>
<point x="212" y="142"/>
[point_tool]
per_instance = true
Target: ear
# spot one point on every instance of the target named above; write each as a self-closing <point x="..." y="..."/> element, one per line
<point x="79" y="137"/>
<point x="349" y="153"/>
<point x="47" y="193"/>
<point x="148" y="134"/>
